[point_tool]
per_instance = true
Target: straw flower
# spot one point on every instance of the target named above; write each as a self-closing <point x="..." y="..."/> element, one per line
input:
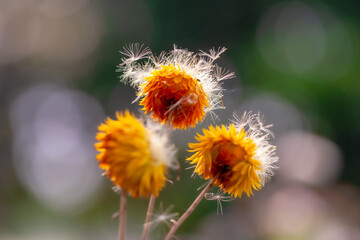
<point x="238" y="158"/>
<point x="134" y="155"/>
<point x="178" y="87"/>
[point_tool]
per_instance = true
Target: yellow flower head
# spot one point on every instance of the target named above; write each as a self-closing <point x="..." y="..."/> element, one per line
<point x="136" y="157"/>
<point x="178" y="87"/>
<point x="238" y="158"/>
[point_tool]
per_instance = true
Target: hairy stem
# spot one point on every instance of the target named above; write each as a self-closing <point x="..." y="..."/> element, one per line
<point x="187" y="213"/>
<point x="148" y="217"/>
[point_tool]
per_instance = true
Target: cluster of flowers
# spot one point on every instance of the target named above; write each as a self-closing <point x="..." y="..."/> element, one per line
<point x="179" y="88"/>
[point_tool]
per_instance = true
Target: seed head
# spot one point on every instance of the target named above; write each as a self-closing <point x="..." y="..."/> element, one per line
<point x="134" y="155"/>
<point x="238" y="158"/>
<point x="178" y="87"/>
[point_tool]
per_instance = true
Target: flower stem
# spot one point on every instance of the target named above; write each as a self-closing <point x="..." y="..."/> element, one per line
<point x="148" y="217"/>
<point x="122" y="218"/>
<point x="187" y="213"/>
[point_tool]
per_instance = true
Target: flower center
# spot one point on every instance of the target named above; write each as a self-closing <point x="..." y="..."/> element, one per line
<point x="174" y="97"/>
<point x="224" y="158"/>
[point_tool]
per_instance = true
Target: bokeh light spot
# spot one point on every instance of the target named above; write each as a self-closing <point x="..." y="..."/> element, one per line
<point x="53" y="146"/>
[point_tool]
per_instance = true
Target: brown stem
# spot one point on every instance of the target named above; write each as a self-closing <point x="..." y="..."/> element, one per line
<point x="148" y="217"/>
<point x="122" y="218"/>
<point x="187" y="213"/>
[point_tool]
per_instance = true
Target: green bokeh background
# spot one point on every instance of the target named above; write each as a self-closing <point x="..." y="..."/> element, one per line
<point x="328" y="97"/>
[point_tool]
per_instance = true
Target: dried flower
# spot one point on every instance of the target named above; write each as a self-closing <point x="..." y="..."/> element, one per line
<point x="238" y="158"/>
<point x="178" y="87"/>
<point x="135" y="156"/>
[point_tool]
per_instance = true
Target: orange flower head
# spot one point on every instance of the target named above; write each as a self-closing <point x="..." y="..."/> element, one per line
<point x="177" y="88"/>
<point x="174" y="97"/>
<point x="135" y="157"/>
<point x="238" y="158"/>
